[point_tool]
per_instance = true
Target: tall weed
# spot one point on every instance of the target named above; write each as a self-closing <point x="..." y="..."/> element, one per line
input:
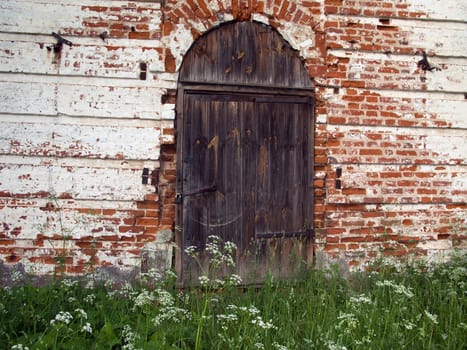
<point x="392" y="307"/>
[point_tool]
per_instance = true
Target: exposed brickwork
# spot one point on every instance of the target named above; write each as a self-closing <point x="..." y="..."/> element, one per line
<point x="134" y="20"/>
<point x="390" y="174"/>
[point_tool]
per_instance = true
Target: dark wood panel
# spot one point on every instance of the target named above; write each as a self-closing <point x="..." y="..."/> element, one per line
<point x="244" y="53"/>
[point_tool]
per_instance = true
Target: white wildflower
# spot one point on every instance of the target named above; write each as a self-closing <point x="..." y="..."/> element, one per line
<point x="143" y="299"/>
<point x="171" y="313"/>
<point x="68" y="283"/>
<point x="229" y="247"/>
<point x="279" y="346"/>
<point x="81" y="314"/>
<point x="90" y="298"/>
<point x="389" y="261"/>
<point x="213" y="249"/>
<point x="251" y="310"/>
<point x="129" y="338"/>
<point x="333" y="346"/>
<point x="19" y="347"/>
<point x="235" y="279"/>
<point x="153" y="275"/>
<point x="17" y="276"/>
<point x="191" y="250"/>
<point x="90" y="284"/>
<point x="220" y="253"/>
<point x="218" y="282"/>
<point x="214" y="239"/>
<point x="203" y="280"/>
<point x="128" y="291"/>
<point x="87" y="328"/>
<point x="347" y="322"/>
<point x="397" y="288"/>
<point x="63" y="317"/>
<point x="361" y="299"/>
<point x="365" y="341"/>
<point x="227" y="318"/>
<point x="432" y="317"/>
<point x="71" y="299"/>
<point x="170" y="274"/>
<point x="109" y="283"/>
<point x="259" y="346"/>
<point x="258" y="321"/>
<point x="385" y="283"/>
<point x="403" y="290"/>
<point x="164" y="298"/>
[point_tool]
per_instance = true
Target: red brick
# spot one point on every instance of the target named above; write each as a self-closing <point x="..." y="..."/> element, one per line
<point x="328" y="10"/>
<point x="170" y="65"/>
<point x="109" y="212"/>
<point x="354" y="191"/>
<point x="97" y="24"/>
<point x="335" y="231"/>
<point x="134" y="229"/>
<point x="335" y="247"/>
<point x="371" y="151"/>
<point x="147" y="221"/>
<point x="95" y="8"/>
<point x="139" y="35"/>
<point x="147" y="205"/>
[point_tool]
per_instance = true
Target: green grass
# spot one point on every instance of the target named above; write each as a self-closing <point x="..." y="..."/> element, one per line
<point x="422" y="307"/>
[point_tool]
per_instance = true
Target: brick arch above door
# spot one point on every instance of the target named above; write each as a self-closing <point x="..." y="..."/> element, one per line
<point x="300" y="24"/>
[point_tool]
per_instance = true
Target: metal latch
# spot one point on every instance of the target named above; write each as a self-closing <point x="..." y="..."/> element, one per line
<point x="180" y="195"/>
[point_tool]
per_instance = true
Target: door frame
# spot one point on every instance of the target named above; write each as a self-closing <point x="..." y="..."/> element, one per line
<point x="185" y="88"/>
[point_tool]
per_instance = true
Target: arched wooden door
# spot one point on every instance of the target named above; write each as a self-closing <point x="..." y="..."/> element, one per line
<point x="245" y="151"/>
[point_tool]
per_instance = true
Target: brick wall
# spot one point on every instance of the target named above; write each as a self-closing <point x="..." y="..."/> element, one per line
<point x="80" y="123"/>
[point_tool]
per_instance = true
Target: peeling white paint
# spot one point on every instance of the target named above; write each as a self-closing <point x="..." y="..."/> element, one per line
<point x="50" y="16"/>
<point x="82" y="125"/>
<point x="301" y="38"/>
<point x="109" y="100"/>
<point x="449" y="38"/>
<point x="76" y="182"/>
<point x="47" y="139"/>
<point x="179" y="43"/>
<point x="440" y="9"/>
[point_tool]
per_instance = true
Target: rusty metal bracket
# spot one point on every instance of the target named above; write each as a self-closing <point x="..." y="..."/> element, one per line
<point x="425" y="65"/>
<point x="60" y="41"/>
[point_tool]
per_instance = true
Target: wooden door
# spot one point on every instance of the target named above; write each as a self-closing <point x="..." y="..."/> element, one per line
<point x="245" y="156"/>
<point x="246" y="177"/>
